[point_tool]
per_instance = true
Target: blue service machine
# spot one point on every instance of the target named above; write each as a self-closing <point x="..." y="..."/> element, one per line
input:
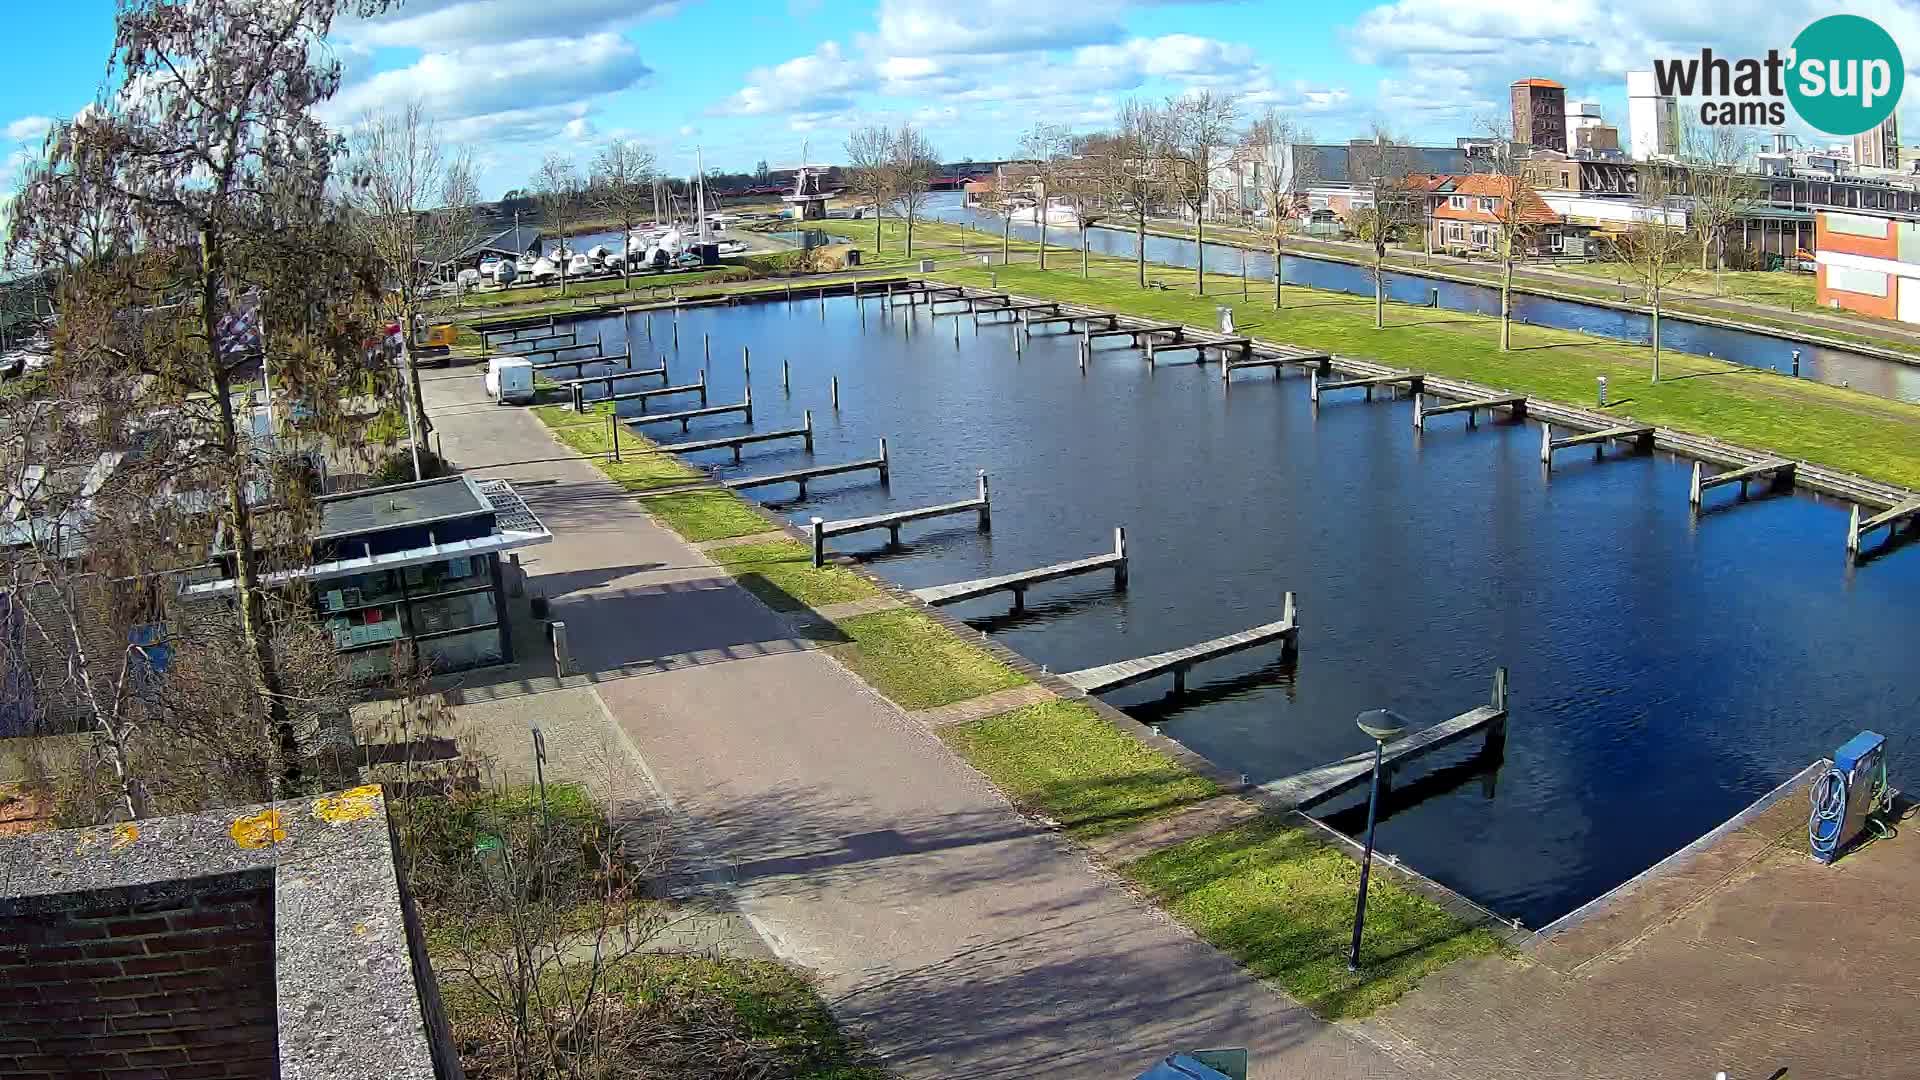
<point x="1854" y="788"/>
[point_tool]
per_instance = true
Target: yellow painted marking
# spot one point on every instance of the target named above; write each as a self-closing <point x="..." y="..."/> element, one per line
<point x="259" y="830"/>
<point x="125" y="834"/>
<point x="350" y="805"/>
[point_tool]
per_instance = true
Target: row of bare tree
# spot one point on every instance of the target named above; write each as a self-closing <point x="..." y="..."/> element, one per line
<point x="893" y="169"/>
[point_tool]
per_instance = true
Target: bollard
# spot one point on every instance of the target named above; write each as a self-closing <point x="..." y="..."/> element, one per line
<point x="748" y="402"/>
<point x="817" y="527"/>
<point x="1600" y="381"/>
<point x="1419" y="411"/>
<point x="834" y="388"/>
<point x="613" y="429"/>
<point x="885" y="469"/>
<point x="986" y="505"/>
<point x="809" y="428"/>
<point x="1120" y="549"/>
<point x="1796" y="363"/>
<point x="746" y="363"/>
<point x="579" y="404"/>
<point x="517" y="586"/>
<point x="562" y="661"/>
<point x="786" y="378"/>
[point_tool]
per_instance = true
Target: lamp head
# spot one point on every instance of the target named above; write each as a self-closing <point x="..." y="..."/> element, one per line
<point x="1382" y="725"/>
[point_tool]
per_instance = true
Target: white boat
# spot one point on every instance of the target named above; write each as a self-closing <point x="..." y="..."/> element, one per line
<point x="1060" y="213"/>
<point x="504" y="273"/>
<point x="664" y="250"/>
<point x="526" y="263"/>
<point x="598" y="255"/>
<point x="732" y="247"/>
<point x="544" y="269"/>
<point x="579" y="266"/>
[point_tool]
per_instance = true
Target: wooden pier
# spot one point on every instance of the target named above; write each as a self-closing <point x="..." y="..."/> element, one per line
<point x="1137" y="334"/>
<point x="1778" y="473"/>
<point x="914" y="293"/>
<point x="1641" y="435"/>
<point x="1106" y="677"/>
<point x="577" y="387"/>
<point x="517" y="327"/>
<point x="822" y="529"/>
<point x="1317" y="785"/>
<point x="534" y="348"/>
<point x="580" y="365"/>
<point x="1278" y="360"/>
<point x="1227" y="346"/>
<point x="644" y="396"/>
<point x="1412" y="380"/>
<point x="1889" y="519"/>
<point x="1019" y="582"/>
<point x="735" y="442"/>
<point x="801" y="476"/>
<point x="745" y="408"/>
<point x="1471" y="406"/>
<point x="1105" y="319"/>
<point x="1018" y="311"/>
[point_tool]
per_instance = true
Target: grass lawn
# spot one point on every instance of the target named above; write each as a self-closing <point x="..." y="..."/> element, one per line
<point x="1280" y="901"/>
<point x="695" y="515"/>
<point x="1060" y="759"/>
<point x="917" y="662"/>
<point x="782" y="573"/>
<point x="1796" y="418"/>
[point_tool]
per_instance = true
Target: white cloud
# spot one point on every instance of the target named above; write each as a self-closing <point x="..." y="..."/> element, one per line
<point x="938" y="27"/>
<point x="516" y="81"/>
<point x="822" y="81"/>
<point x="439" y="25"/>
<point x="29" y="128"/>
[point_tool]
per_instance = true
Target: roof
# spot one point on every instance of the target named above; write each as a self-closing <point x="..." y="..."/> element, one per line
<point x="1546" y="84"/>
<point x="377" y="509"/>
<point x="512" y="241"/>
<point x="1533" y="209"/>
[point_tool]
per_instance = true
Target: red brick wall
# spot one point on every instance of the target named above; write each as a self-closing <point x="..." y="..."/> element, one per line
<point x="174" y="990"/>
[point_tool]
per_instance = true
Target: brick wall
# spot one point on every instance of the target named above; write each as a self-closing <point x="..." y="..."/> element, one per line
<point x="125" y="987"/>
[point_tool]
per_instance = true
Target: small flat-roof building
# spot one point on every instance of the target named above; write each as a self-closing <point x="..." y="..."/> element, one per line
<point x="416" y="563"/>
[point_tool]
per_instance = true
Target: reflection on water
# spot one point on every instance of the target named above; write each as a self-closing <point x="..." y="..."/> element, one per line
<point x="1886" y="378"/>
<point x="1665" y="671"/>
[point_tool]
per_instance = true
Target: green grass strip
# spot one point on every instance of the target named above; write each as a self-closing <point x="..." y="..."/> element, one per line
<point x="782" y="574"/>
<point x="917" y="662"/>
<point x="1060" y="759"/>
<point x="1280" y="901"/>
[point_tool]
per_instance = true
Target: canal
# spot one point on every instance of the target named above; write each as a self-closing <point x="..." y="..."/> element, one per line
<point x="1871" y="374"/>
<point x="1665" y="671"/>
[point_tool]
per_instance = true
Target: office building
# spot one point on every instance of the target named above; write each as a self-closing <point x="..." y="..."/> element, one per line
<point x="1653" y="118"/>
<point x="1540" y="114"/>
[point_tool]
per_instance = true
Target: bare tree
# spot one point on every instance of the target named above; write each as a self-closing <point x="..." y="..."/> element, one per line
<point x="911" y="168"/>
<point x="623" y="177"/>
<point x="457" y="223"/>
<point x="395" y="178"/>
<point x="1127" y="165"/>
<point x="1199" y="128"/>
<point x="558" y="183"/>
<point x="1085" y="187"/>
<point x="1720" y="193"/>
<point x="1518" y="212"/>
<point x="1047" y="148"/>
<point x="1653" y="250"/>
<point x="1385" y="164"/>
<point x="1281" y="178"/>
<point x="869" y="157"/>
<point x="211" y="160"/>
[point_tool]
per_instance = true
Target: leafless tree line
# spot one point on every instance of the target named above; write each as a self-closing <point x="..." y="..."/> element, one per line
<point x="893" y="170"/>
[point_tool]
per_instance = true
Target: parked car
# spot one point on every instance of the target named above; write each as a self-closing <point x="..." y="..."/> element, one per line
<point x="510" y="380"/>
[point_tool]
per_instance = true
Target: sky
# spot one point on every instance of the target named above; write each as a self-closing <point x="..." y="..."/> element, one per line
<point x="747" y="81"/>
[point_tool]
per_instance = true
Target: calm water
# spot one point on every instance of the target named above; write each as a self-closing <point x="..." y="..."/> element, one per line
<point x="1838" y="366"/>
<point x="1665" y="672"/>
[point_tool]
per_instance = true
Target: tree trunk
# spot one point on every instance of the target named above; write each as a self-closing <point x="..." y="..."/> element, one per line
<point x="1379" y="288"/>
<point x="1140" y="242"/>
<point x="909" y="234"/>
<point x="1086" y="269"/>
<point x="876" y="222"/>
<point x="413" y="381"/>
<point x="1006" y="236"/>
<point x="1279" y="266"/>
<point x="1200" y="249"/>
<point x="1040" y="219"/>
<point x="1506" y="302"/>
<point x="1656" y="335"/>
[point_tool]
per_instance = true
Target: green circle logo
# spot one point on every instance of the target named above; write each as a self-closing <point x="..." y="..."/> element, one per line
<point x="1847" y="75"/>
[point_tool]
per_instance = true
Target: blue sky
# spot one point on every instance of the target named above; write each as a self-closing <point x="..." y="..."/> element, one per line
<point x="746" y="80"/>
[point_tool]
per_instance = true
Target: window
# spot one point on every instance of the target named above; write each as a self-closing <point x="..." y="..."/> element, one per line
<point x="1486" y="206"/>
<point x="1457" y="202"/>
<point x="1479" y="236"/>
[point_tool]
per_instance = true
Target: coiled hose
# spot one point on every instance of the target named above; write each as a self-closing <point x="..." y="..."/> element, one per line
<point x="1829" y="798"/>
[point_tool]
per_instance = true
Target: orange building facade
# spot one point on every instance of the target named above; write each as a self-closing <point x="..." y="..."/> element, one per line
<point x="1869" y="264"/>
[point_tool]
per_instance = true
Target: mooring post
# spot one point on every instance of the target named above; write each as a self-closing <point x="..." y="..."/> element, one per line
<point x="748" y="402"/>
<point x="833" y="390"/>
<point x="786" y="377"/>
<point x="562" y="656"/>
<point x="706" y="350"/>
<point x="1313" y="386"/>
<point x="676" y="330"/>
<point x="1083" y="358"/>
<point x="809" y="430"/>
<point x="1853" y="531"/>
<point x="1150" y="352"/>
<point x="1419" y="409"/>
<point x="1179" y="681"/>
<point x="986" y="505"/>
<point x="956" y="333"/>
<point x="1290" y="614"/>
<point x="1120" y="551"/>
<point x="885" y="470"/>
<point x="1546" y="445"/>
<point x="746" y="363"/>
<point x="1693" y="490"/>
<point x="818" y="528"/>
<point x="613" y="421"/>
<point x="578" y="404"/>
<point x="703" y="387"/>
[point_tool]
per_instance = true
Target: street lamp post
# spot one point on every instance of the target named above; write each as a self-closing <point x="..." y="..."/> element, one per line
<point x="1383" y="726"/>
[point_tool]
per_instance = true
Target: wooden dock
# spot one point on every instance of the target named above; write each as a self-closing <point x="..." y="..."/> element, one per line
<point x="735" y="442"/>
<point x="1889" y="519"/>
<point x="1227" y="346"/>
<point x="801" y="476"/>
<point x="1137" y="334"/>
<point x="1641" y="435"/>
<point x="745" y="408"/>
<point x="914" y="293"/>
<point x="1018" y="311"/>
<point x="1412" y="380"/>
<point x="891" y="521"/>
<point x="1096" y="680"/>
<point x="1278" y="359"/>
<point x="1019" y="582"/>
<point x="579" y="365"/>
<point x="1778" y="473"/>
<point x="1471" y="406"/>
<point x="644" y="396"/>
<point x="554" y="351"/>
<point x="577" y="387"/>
<point x="1105" y="319"/>
<point x="1317" y="785"/>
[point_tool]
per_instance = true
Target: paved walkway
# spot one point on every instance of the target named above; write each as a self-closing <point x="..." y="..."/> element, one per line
<point x="959" y="938"/>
